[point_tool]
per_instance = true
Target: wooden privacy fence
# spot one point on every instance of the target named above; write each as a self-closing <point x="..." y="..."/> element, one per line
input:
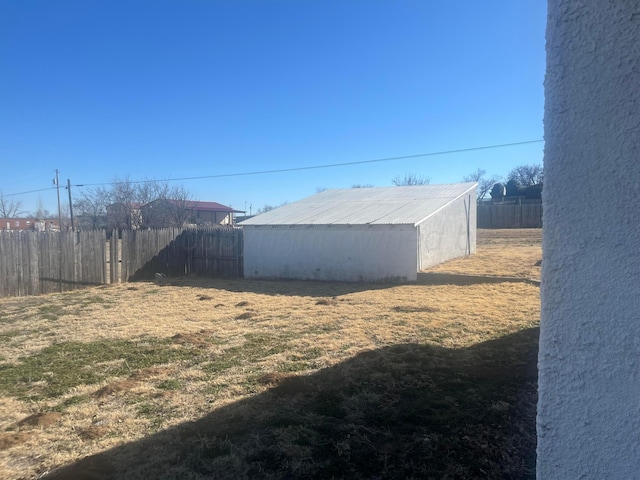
<point x="524" y="215"/>
<point x="33" y="263"/>
<point x="212" y="252"/>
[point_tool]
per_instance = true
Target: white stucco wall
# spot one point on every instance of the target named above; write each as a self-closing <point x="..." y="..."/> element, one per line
<point x="589" y="361"/>
<point x="343" y="253"/>
<point x="449" y="233"/>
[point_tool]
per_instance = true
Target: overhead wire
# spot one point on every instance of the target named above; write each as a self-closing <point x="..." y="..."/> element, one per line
<point x="308" y="167"/>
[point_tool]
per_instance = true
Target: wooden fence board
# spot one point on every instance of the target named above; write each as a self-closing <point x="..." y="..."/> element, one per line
<point x="176" y="252"/>
<point x="525" y="215"/>
<point x="34" y="263"/>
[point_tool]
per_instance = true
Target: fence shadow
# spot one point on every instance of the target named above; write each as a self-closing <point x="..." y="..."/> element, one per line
<point x="398" y="412"/>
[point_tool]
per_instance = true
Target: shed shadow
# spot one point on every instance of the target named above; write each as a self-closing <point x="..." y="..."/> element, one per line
<point x="405" y="411"/>
<point x="295" y="288"/>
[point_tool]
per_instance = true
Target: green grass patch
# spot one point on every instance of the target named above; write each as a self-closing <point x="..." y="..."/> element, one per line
<point x="255" y="347"/>
<point x="52" y="311"/>
<point x="91" y="299"/>
<point x="170" y="384"/>
<point x="56" y="369"/>
<point x="75" y="400"/>
<point x="154" y="412"/>
<point x="293" y="367"/>
<point x="7" y="337"/>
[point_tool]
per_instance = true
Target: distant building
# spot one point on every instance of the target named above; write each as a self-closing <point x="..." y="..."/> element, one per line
<point x="21" y="224"/>
<point x="164" y="212"/>
<point x="124" y="216"/>
<point x="167" y="212"/>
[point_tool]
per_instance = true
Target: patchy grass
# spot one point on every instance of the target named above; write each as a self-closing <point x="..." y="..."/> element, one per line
<point x="320" y="380"/>
<point x="59" y="368"/>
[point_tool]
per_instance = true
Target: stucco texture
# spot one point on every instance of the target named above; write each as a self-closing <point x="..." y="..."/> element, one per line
<point x="589" y="360"/>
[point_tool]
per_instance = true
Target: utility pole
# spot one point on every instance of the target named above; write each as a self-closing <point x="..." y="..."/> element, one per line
<point x="57" y="182"/>
<point x="70" y="204"/>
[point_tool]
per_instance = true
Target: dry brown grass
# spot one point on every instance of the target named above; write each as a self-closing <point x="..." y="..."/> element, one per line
<point x="247" y="360"/>
<point x="515" y="252"/>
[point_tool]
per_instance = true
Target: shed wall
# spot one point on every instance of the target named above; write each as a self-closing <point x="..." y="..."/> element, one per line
<point x="449" y="233"/>
<point x="336" y="252"/>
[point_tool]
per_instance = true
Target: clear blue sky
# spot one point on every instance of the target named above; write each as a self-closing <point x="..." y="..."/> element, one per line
<point x="171" y="89"/>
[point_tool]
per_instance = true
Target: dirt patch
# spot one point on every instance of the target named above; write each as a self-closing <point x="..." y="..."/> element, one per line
<point x="93" y="432"/>
<point x="242" y="304"/>
<point x="245" y="316"/>
<point x="327" y="301"/>
<point x="412" y="309"/>
<point x="131" y="382"/>
<point x="151" y="372"/>
<point x="115" y="388"/>
<point x="193" y="339"/>
<point x="12" y="439"/>
<point x="40" y="420"/>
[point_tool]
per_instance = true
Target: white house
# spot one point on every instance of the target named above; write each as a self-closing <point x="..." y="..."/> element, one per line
<point x="362" y="234"/>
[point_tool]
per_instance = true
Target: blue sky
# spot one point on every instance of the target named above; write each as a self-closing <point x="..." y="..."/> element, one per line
<point x="172" y="89"/>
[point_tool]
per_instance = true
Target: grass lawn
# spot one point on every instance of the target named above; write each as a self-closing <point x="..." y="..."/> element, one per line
<point x="199" y="378"/>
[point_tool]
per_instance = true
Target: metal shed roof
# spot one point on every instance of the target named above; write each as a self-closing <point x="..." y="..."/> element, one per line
<point x="366" y="206"/>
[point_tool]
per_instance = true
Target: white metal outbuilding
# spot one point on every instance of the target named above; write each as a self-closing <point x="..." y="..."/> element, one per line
<point x="362" y="234"/>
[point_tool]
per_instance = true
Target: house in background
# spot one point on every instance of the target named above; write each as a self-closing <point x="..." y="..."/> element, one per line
<point x="164" y="212"/>
<point x="124" y="216"/>
<point x="362" y="234"/>
<point x="21" y="224"/>
<point x="167" y="212"/>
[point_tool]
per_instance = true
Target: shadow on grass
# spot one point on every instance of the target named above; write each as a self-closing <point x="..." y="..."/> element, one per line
<point x="302" y="288"/>
<point x="437" y="278"/>
<point x="309" y="288"/>
<point x="406" y="411"/>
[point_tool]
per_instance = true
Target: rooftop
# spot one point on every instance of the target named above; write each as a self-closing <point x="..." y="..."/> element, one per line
<point x="366" y="206"/>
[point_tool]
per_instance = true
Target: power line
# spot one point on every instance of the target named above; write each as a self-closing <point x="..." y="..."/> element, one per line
<point x="30" y="191"/>
<point x="327" y="165"/>
<point x="310" y="167"/>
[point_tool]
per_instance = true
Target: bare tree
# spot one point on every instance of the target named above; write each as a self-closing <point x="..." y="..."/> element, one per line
<point x="527" y="175"/>
<point x="123" y="209"/>
<point x="183" y="206"/>
<point x="91" y="208"/>
<point x="410" y="179"/>
<point x="120" y="205"/>
<point x="485" y="184"/>
<point x="41" y="213"/>
<point x="10" y="208"/>
<point x="361" y="185"/>
<point x="268" y="208"/>
<point x="127" y="197"/>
